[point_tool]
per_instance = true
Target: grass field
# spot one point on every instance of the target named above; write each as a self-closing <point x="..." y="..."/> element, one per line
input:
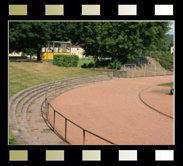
<point x="167" y="84"/>
<point x="81" y="62"/>
<point x="23" y="75"/>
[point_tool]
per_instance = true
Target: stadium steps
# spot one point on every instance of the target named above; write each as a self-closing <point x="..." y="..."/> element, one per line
<point x="150" y="65"/>
<point x="19" y="107"/>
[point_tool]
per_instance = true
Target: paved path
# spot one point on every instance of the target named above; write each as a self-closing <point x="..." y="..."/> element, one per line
<point x="114" y="111"/>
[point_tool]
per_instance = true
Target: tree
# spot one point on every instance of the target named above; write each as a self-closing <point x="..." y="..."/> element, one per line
<point x="119" y="40"/>
<point x="28" y="37"/>
<point x="61" y="31"/>
<point x="171" y="44"/>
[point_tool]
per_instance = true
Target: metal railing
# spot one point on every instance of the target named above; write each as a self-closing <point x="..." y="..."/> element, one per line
<point x="61" y="88"/>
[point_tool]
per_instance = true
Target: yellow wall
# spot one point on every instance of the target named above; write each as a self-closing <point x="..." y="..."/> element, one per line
<point x="49" y="55"/>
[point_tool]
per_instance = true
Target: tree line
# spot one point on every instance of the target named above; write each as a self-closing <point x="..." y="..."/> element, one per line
<point x="120" y="40"/>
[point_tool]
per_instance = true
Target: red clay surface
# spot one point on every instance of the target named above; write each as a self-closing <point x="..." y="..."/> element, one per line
<point x="159" y="98"/>
<point x="113" y="110"/>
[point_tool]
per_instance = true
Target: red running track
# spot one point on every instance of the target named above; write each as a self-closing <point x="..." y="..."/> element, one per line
<point x="113" y="110"/>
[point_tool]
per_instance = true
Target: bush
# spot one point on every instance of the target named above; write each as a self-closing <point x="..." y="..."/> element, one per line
<point x="115" y="64"/>
<point x="89" y="65"/>
<point x="23" y="54"/>
<point x="101" y="63"/>
<point x="66" y="60"/>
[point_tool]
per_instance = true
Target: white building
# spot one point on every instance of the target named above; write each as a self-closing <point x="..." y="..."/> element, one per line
<point x="77" y="50"/>
<point x="172" y="50"/>
<point x="15" y="53"/>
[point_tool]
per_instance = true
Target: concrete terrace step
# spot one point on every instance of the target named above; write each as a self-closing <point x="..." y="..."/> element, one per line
<point x="17" y="116"/>
<point x="141" y="62"/>
<point x="19" y="111"/>
<point x="38" y="126"/>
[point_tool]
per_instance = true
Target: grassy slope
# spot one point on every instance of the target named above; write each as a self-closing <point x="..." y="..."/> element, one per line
<point x="23" y="75"/>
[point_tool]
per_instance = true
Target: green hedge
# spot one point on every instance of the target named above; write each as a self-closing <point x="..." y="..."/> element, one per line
<point x="66" y="60"/>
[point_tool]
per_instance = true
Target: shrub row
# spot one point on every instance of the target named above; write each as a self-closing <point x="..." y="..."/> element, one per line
<point x="66" y="60"/>
<point x="108" y="64"/>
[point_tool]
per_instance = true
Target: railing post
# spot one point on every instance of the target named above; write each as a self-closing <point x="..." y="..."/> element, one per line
<point x="47" y="109"/>
<point x="65" y="129"/>
<point x="83" y="136"/>
<point x="54" y="120"/>
<point x="127" y="73"/>
<point x="46" y="101"/>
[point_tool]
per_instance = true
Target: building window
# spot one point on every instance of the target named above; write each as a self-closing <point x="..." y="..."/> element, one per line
<point x="77" y="48"/>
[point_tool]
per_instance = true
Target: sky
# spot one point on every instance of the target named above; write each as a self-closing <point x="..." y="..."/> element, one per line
<point x="171" y="31"/>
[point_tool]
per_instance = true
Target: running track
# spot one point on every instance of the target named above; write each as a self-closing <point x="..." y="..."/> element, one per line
<point x="113" y="110"/>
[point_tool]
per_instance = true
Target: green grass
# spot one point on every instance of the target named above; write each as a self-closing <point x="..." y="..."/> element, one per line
<point x="167" y="84"/>
<point x="23" y="75"/>
<point x="81" y="62"/>
<point x="12" y="139"/>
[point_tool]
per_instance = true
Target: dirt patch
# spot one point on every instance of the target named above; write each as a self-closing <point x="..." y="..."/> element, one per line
<point x="166" y="91"/>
